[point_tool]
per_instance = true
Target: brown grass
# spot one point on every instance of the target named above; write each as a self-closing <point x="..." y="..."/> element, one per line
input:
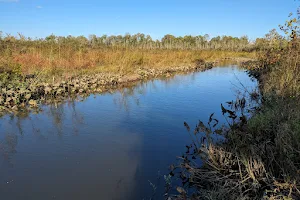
<point x="259" y="157"/>
<point x="109" y="60"/>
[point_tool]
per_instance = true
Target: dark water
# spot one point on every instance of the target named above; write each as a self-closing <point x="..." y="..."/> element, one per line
<point x="110" y="146"/>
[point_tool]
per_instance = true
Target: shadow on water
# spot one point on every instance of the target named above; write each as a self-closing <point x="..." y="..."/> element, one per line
<point x="115" y="145"/>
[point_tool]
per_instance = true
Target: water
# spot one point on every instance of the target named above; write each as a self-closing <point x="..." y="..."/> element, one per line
<point x="110" y="146"/>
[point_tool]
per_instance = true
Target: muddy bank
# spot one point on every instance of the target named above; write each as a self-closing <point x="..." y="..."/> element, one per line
<point x="25" y="93"/>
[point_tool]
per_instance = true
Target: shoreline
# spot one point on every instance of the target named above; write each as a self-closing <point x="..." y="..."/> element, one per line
<point x="31" y="92"/>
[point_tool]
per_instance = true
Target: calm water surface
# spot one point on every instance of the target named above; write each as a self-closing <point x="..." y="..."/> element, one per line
<point x="110" y="146"/>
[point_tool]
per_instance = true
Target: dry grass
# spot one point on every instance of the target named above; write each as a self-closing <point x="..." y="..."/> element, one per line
<point x="283" y="77"/>
<point x="107" y="60"/>
<point x="260" y="157"/>
<point x="28" y="74"/>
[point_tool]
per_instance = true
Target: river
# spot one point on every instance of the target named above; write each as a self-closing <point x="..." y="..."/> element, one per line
<point x="112" y="145"/>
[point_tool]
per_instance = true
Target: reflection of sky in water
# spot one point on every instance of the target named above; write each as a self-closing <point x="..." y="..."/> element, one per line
<point x="110" y="145"/>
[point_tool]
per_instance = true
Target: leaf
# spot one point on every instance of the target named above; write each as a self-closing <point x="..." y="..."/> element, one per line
<point x="201" y="126"/>
<point x="223" y="109"/>
<point x="218" y="131"/>
<point x="229" y="102"/>
<point x="233" y="116"/>
<point x="186" y="126"/>
<point x="171" y="173"/>
<point x="217" y="122"/>
<point x="210" y="118"/>
<point x="196" y="131"/>
<point x="243" y="119"/>
<point x="230" y="112"/>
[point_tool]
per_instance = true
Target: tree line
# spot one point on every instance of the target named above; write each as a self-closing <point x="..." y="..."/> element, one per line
<point x="142" y="41"/>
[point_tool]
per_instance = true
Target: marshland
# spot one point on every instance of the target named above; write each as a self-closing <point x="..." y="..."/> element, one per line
<point x="130" y="116"/>
<point x="41" y="70"/>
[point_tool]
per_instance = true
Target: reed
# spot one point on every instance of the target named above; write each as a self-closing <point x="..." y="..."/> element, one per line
<point x="259" y="157"/>
<point x="67" y="61"/>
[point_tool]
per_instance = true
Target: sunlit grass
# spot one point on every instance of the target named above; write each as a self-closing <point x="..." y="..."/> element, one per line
<point x="108" y="60"/>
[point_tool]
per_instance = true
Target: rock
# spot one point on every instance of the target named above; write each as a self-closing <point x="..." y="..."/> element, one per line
<point x="200" y="63"/>
<point x="27" y="96"/>
<point x="48" y="89"/>
<point x="9" y="92"/>
<point x="22" y="90"/>
<point x="129" y="78"/>
<point x="8" y="99"/>
<point x="32" y="103"/>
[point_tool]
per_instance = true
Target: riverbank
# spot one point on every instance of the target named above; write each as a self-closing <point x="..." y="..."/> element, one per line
<point x="21" y="91"/>
<point x="92" y="136"/>
<point x="259" y="157"/>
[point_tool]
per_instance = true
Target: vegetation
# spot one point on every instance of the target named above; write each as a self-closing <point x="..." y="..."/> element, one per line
<point x="139" y="40"/>
<point x="259" y="157"/>
<point x="57" y="55"/>
<point x="33" y="71"/>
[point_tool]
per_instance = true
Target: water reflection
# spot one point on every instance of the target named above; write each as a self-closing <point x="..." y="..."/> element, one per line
<point x="109" y="146"/>
<point x="8" y="147"/>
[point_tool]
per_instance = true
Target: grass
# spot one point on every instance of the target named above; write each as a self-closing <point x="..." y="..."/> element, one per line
<point x="67" y="62"/>
<point x="259" y="157"/>
<point x="32" y="76"/>
<point x="33" y="72"/>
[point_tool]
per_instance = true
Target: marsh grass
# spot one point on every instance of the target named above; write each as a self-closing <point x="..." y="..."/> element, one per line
<point x="67" y="62"/>
<point x="33" y="71"/>
<point x="259" y="157"/>
<point x="31" y="74"/>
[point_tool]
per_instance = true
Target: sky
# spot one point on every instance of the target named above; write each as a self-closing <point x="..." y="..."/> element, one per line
<point x="39" y="18"/>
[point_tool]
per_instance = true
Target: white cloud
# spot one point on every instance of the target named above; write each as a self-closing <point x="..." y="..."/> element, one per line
<point x="39" y="7"/>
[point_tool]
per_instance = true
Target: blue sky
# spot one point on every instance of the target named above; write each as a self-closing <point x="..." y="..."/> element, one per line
<point x="38" y="18"/>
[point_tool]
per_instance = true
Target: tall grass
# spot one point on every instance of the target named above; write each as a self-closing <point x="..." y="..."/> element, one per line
<point x="34" y="60"/>
<point x="260" y="157"/>
<point x="283" y="76"/>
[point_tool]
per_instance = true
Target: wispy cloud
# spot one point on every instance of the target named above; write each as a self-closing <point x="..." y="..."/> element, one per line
<point x="39" y="7"/>
<point x="9" y="1"/>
